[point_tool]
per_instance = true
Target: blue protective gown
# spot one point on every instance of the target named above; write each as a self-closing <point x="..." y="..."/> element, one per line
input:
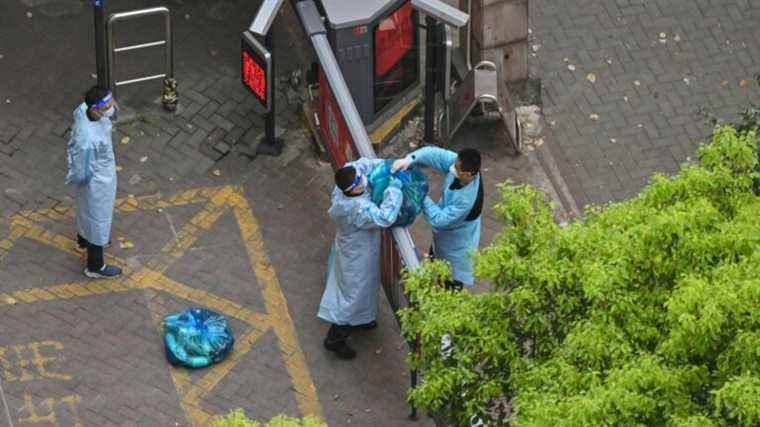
<point x="92" y="168"/>
<point x="455" y="238"/>
<point x="353" y="277"/>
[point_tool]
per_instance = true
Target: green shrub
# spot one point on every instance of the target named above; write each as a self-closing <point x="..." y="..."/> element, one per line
<point x="237" y="418"/>
<point x="644" y="312"/>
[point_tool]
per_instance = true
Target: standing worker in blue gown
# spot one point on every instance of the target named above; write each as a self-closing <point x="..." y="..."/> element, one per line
<point x="353" y="277"/>
<point x="92" y="169"/>
<point x="456" y="217"/>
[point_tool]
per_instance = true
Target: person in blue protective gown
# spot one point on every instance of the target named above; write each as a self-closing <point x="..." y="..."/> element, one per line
<point x="353" y="278"/>
<point x="92" y="169"/>
<point x="456" y="217"/>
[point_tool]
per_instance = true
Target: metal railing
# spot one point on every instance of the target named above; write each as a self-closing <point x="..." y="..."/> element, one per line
<point x="169" y="97"/>
<point x="316" y="32"/>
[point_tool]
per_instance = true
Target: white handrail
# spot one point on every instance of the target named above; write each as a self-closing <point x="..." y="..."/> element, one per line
<point x="315" y="30"/>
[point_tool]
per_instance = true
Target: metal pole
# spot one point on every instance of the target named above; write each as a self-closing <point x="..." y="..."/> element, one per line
<point x="315" y="30"/>
<point x="100" y="43"/>
<point x="270" y="145"/>
<point x="469" y="36"/>
<point x="430" y="63"/>
<point x="170" y="98"/>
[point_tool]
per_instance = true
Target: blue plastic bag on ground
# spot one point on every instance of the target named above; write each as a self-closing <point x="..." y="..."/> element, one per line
<point x="414" y="189"/>
<point x="197" y="338"/>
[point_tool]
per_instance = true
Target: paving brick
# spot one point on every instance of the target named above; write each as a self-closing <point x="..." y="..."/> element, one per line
<point x="202" y="123"/>
<point x="216" y="136"/>
<point x="135" y="389"/>
<point x="663" y="103"/>
<point x="227" y="108"/>
<point x="189" y="109"/>
<point x="180" y="138"/>
<point x="222" y="122"/>
<point x="208" y="109"/>
<point x="196" y="97"/>
<point x="234" y="135"/>
<point x="168" y="127"/>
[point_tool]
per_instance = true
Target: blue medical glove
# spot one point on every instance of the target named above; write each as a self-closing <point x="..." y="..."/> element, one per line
<point x="427" y="203"/>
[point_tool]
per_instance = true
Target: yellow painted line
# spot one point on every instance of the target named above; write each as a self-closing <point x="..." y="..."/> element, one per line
<point x="190" y="232"/>
<point x="156" y="201"/>
<point x="47" y="214"/>
<point x="151" y="278"/>
<point x="7" y="243"/>
<point x="41" y="294"/>
<point x="126" y="204"/>
<point x="393" y="122"/>
<point x="277" y="307"/>
<point x="197" y="391"/>
<point x="181" y="378"/>
<point x="159" y="282"/>
<point x="21" y="227"/>
<point x="192" y="393"/>
<point x="66" y="291"/>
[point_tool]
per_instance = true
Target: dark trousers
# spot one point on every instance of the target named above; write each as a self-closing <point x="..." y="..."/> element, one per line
<point x="94" y="254"/>
<point x="450" y="285"/>
<point x="338" y="333"/>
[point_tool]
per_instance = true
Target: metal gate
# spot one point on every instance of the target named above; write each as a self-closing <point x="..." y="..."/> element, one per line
<point x="169" y="98"/>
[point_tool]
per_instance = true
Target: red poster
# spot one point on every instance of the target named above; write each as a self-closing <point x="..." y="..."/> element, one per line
<point x="393" y="39"/>
<point x="337" y="139"/>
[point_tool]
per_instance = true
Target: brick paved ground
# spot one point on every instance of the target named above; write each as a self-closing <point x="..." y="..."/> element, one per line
<point x="71" y="350"/>
<point x="58" y="364"/>
<point x="708" y="58"/>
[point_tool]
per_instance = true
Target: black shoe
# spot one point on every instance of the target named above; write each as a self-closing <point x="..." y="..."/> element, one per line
<point x="367" y="326"/>
<point x="340" y="348"/>
<point x="107" y="272"/>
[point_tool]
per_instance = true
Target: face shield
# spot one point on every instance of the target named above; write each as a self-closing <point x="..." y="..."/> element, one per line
<point x="360" y="182"/>
<point x="106" y="106"/>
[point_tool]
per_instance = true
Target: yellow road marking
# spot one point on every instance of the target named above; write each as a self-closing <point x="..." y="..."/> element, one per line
<point x="151" y="278"/>
<point x="393" y="122"/>
<point x="277" y="307"/>
<point x="191" y="401"/>
<point x="65" y="291"/>
<point x="127" y="204"/>
<point x="190" y="232"/>
<point x="22" y="227"/>
<point x="160" y="282"/>
<point x="7" y="243"/>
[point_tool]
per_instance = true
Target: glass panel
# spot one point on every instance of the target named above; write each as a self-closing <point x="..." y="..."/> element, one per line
<point x="396" y="55"/>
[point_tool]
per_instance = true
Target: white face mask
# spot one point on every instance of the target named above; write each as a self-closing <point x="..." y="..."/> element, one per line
<point x="453" y="170"/>
<point x="109" y="112"/>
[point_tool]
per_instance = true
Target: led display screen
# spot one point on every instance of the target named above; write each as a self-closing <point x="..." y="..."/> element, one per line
<point x="256" y="62"/>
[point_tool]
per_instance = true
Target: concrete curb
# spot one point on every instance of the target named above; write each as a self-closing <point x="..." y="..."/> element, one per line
<point x="543" y="159"/>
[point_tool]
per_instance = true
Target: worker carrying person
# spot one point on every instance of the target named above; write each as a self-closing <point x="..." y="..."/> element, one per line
<point x="353" y="278"/>
<point x="456" y="217"/>
<point x="92" y="169"/>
